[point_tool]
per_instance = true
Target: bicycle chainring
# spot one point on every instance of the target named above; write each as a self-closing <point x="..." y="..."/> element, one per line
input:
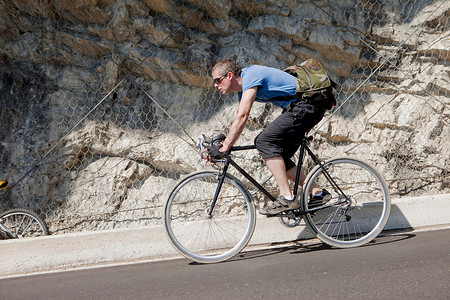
<point x="289" y="221"/>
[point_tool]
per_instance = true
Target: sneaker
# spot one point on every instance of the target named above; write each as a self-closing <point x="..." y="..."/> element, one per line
<point x="279" y="206"/>
<point x="316" y="200"/>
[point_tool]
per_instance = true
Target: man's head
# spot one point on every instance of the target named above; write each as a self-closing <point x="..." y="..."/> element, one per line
<point x="226" y="74"/>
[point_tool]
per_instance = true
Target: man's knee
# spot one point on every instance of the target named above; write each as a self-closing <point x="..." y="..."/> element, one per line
<point x="261" y="142"/>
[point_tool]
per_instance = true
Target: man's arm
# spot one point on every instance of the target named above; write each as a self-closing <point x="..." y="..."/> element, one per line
<point x="236" y="128"/>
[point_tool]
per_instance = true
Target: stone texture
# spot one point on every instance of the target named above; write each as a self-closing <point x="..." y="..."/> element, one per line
<point x="106" y="147"/>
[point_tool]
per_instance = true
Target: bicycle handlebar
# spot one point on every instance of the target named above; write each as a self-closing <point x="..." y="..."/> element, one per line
<point x="204" y="142"/>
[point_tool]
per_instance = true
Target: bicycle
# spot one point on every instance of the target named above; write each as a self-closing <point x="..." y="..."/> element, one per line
<point x="210" y="216"/>
<point x="20" y="223"/>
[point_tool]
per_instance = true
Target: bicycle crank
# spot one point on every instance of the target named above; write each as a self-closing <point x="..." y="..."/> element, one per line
<point x="290" y="221"/>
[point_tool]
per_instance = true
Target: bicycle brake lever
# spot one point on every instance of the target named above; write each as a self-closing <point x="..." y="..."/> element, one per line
<point x="200" y="146"/>
<point x="204" y="142"/>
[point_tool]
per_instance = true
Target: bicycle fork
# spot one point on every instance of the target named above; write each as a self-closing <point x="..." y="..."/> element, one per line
<point x="219" y="187"/>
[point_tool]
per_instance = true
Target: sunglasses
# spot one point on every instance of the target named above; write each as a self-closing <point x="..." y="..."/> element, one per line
<point x="218" y="79"/>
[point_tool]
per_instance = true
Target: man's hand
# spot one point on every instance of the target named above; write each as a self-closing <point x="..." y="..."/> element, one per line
<point x="211" y="154"/>
<point x="214" y="153"/>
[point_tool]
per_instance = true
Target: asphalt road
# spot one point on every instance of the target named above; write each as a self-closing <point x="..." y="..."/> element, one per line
<point x="404" y="266"/>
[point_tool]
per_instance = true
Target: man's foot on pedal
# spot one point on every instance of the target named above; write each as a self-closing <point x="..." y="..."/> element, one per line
<point x="279" y="206"/>
<point x="319" y="199"/>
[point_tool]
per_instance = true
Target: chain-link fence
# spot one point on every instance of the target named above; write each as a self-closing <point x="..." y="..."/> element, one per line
<point x="101" y="101"/>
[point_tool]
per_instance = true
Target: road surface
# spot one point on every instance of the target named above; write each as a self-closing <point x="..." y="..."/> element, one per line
<point x="403" y="266"/>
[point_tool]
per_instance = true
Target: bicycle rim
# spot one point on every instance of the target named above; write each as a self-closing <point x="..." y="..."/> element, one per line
<point x="24" y="223"/>
<point x="209" y="239"/>
<point x="359" y="208"/>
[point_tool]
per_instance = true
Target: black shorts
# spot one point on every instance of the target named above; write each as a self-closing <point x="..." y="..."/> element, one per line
<point x="284" y="135"/>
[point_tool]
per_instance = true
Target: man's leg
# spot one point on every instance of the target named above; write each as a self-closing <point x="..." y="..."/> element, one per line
<point x="292" y="172"/>
<point x="278" y="169"/>
<point x="285" y="201"/>
<point x="281" y="138"/>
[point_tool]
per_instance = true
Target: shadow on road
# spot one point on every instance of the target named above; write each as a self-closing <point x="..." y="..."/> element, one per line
<point x="298" y="247"/>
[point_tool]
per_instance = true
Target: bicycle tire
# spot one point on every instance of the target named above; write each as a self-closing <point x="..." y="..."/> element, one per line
<point x="209" y="239"/>
<point x="24" y="223"/>
<point x="356" y="213"/>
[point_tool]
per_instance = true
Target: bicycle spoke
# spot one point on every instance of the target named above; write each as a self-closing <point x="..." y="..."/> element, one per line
<point x="23" y="223"/>
<point x="205" y="238"/>
<point x="356" y="216"/>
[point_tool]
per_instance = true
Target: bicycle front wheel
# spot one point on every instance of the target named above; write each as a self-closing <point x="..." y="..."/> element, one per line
<point x="204" y="237"/>
<point x="359" y="207"/>
<point x="23" y="223"/>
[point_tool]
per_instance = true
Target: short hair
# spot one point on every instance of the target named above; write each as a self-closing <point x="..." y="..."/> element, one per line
<point x="227" y="65"/>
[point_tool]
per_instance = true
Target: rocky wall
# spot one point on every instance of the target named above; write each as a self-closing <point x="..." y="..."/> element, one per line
<point x="100" y="99"/>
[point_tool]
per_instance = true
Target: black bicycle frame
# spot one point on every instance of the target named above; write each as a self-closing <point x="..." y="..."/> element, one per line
<point x="304" y="146"/>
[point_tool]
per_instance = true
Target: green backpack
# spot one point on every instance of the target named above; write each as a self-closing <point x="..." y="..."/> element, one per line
<point x="313" y="83"/>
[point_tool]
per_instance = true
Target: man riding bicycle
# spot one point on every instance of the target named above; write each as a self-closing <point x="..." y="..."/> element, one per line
<point x="279" y="141"/>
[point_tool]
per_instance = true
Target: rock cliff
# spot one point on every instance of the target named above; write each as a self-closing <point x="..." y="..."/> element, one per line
<point x="100" y="98"/>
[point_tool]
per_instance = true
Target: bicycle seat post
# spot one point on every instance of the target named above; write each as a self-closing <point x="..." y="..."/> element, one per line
<point x="305" y="140"/>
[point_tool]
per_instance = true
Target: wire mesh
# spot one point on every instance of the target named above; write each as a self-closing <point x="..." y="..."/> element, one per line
<point x="101" y="101"/>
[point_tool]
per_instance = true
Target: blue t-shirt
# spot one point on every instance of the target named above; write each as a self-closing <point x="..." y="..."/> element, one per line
<point x="271" y="83"/>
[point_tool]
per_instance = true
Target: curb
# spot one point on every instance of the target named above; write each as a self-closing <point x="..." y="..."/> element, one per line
<point x="111" y="247"/>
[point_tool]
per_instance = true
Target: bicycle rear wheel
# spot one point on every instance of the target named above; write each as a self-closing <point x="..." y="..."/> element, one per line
<point x="359" y="207"/>
<point x="203" y="238"/>
<point x="23" y="223"/>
